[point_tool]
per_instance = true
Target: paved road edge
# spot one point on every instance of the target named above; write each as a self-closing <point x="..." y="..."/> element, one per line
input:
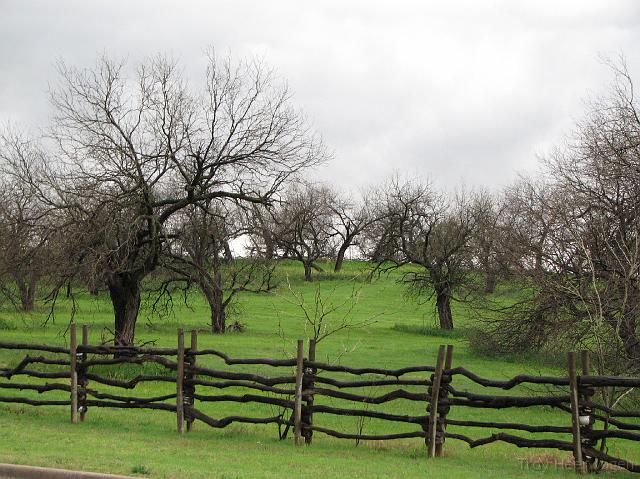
<point x="15" y="471"/>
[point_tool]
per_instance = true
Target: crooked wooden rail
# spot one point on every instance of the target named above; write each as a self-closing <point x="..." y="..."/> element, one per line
<point x="297" y="395"/>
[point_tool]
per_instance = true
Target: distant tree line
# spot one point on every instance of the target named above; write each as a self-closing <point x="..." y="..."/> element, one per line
<point x="149" y="177"/>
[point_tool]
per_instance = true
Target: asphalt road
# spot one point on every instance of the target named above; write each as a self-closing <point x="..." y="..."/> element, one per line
<point x="14" y="471"/>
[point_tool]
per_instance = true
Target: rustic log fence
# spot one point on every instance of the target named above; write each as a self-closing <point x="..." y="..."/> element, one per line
<point x="299" y="395"/>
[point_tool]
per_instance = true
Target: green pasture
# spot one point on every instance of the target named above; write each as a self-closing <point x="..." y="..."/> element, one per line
<point x="400" y="332"/>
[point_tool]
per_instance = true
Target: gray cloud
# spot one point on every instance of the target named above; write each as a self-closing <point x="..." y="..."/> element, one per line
<point x="458" y="91"/>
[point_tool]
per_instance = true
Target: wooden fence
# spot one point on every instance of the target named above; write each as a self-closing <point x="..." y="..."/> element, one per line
<point x="296" y="395"/>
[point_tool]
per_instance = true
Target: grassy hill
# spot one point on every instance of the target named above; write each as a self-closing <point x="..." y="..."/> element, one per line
<point x="402" y="332"/>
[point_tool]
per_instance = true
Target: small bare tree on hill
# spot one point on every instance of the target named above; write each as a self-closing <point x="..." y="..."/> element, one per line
<point x="25" y="242"/>
<point x="303" y="225"/>
<point x="428" y="239"/>
<point x="352" y="219"/>
<point x="200" y="255"/>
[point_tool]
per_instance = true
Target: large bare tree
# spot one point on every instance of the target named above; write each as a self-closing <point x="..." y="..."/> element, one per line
<point x="134" y="152"/>
<point x="579" y="256"/>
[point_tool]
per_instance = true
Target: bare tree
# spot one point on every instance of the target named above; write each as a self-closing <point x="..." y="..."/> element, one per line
<point x="533" y="245"/>
<point x="24" y="240"/>
<point x="304" y="224"/>
<point x="134" y="153"/>
<point x="325" y="315"/>
<point x="582" y="272"/>
<point x="352" y="219"/>
<point x="487" y="240"/>
<point x="528" y="218"/>
<point x="260" y="231"/>
<point x="200" y="254"/>
<point x="424" y="229"/>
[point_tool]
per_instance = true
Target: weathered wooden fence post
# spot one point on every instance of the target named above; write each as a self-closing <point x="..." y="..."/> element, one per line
<point x="180" y="381"/>
<point x="575" y="413"/>
<point x="190" y="388"/>
<point x="443" y="409"/>
<point x="307" y="387"/>
<point x="83" y="382"/>
<point x="433" y="405"/>
<point x="586" y="420"/>
<point x="73" y="359"/>
<point x="297" y="410"/>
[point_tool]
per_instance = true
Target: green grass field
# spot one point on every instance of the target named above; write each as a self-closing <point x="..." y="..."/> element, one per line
<point x="145" y="443"/>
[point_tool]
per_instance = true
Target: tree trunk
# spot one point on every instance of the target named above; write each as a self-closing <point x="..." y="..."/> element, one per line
<point x="489" y="270"/>
<point x="228" y="255"/>
<point x="214" y="293"/>
<point x="443" y="303"/>
<point x="340" y="258"/>
<point x="92" y="287"/>
<point x="538" y="262"/>
<point x="31" y="293"/>
<point x="307" y="271"/>
<point x="490" y="285"/>
<point x="125" y="296"/>
<point x="27" y="290"/>
<point x="218" y="313"/>
<point x="218" y="317"/>
<point x="626" y="330"/>
<point x="269" y="250"/>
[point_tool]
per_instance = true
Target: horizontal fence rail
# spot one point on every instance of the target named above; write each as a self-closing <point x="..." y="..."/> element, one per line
<point x="298" y="390"/>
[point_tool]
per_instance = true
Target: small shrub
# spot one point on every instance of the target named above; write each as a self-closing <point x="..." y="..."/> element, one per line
<point x="434" y="331"/>
<point x="416" y="453"/>
<point x="141" y="469"/>
<point x="482" y="343"/>
<point x="7" y="325"/>
<point x="126" y="372"/>
<point x="236" y="327"/>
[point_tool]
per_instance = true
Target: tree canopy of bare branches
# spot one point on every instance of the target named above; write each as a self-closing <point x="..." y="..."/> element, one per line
<point x="429" y="237"/>
<point x="134" y="151"/>
<point x="352" y="218"/>
<point x="576" y="240"/>
<point x="201" y="254"/>
<point x="25" y="243"/>
<point x="303" y="224"/>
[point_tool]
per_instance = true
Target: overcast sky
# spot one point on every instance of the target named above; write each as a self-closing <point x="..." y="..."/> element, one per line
<point x="458" y="91"/>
